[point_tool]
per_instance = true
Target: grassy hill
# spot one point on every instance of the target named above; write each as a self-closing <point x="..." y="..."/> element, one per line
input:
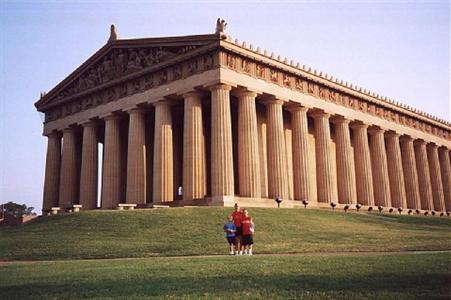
<point x="198" y="231"/>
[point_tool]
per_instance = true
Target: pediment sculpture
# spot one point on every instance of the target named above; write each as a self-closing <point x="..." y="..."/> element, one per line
<point x="120" y="62"/>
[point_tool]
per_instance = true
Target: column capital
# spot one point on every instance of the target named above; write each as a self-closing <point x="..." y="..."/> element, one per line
<point x="376" y="130"/>
<point x="337" y="119"/>
<point x="54" y="133"/>
<point x="192" y="93"/>
<point x="273" y="101"/>
<point x="292" y="107"/>
<point x="134" y="110"/>
<point x="88" y="123"/>
<point x="419" y="142"/>
<point x="318" y="114"/>
<point x="244" y="92"/>
<point x="405" y="138"/>
<point x="432" y="145"/>
<point x="109" y="116"/>
<point x="68" y="129"/>
<point x="392" y="134"/>
<point x="443" y="149"/>
<point x="220" y="86"/>
<point x="163" y="102"/>
<point x="358" y="124"/>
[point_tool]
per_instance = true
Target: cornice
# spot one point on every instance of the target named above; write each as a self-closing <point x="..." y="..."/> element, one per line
<point x="327" y="80"/>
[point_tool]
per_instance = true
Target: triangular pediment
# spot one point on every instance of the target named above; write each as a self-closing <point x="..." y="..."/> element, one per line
<point x="122" y="58"/>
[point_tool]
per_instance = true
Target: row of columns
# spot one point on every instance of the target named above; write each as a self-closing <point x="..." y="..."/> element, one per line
<point x="386" y="170"/>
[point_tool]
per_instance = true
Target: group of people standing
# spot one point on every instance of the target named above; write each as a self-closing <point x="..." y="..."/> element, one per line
<point x="239" y="231"/>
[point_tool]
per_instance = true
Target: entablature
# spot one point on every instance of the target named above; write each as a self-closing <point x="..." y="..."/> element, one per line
<point x="259" y="66"/>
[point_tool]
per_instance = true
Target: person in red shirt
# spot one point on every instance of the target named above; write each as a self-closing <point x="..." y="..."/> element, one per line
<point x="237" y="216"/>
<point x="247" y="239"/>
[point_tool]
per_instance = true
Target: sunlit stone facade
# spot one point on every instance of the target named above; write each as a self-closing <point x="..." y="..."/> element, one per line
<point x="203" y="120"/>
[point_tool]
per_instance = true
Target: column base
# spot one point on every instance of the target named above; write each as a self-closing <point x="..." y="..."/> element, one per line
<point x="229" y="201"/>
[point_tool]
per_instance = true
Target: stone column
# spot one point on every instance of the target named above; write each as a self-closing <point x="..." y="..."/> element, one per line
<point x="346" y="183"/>
<point x="410" y="173"/>
<point x="69" y="170"/>
<point x="324" y="171"/>
<point x="436" y="179"/>
<point x="362" y="160"/>
<point x="262" y="145"/>
<point x="163" y="155"/>
<point x="194" y="159"/>
<point x="289" y="158"/>
<point x="381" y="181"/>
<point x="52" y="171"/>
<point x="395" y="171"/>
<point x="445" y="168"/>
<point x="248" y="155"/>
<point x="89" y="167"/>
<point x="221" y="142"/>
<point x="112" y="171"/>
<point x="136" y="158"/>
<point x="300" y="153"/>
<point x="424" y="179"/>
<point x="277" y="171"/>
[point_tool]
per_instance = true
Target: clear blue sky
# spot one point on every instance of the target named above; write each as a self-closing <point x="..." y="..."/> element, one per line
<point x="399" y="49"/>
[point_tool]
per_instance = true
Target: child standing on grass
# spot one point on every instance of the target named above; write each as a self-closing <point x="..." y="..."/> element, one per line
<point x="247" y="239"/>
<point x="230" y="229"/>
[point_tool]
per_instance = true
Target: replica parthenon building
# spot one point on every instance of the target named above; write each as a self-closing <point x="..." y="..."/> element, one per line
<point x="203" y="120"/>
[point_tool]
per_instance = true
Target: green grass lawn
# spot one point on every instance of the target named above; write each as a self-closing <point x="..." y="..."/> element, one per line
<point x="198" y="231"/>
<point x="408" y="276"/>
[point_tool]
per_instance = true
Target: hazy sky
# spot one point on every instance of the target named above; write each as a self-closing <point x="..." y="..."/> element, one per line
<point x="399" y="49"/>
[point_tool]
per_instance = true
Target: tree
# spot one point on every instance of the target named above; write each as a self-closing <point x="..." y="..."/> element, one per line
<point x="15" y="210"/>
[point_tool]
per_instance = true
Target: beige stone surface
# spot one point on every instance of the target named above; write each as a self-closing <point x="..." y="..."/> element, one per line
<point x="194" y="156"/>
<point x="52" y="172"/>
<point x="300" y="150"/>
<point x="395" y="171"/>
<point x="445" y="169"/>
<point x="248" y="154"/>
<point x="325" y="172"/>
<point x="222" y="181"/>
<point x="347" y="193"/>
<point x="69" y="180"/>
<point x="163" y="168"/>
<point x="112" y="165"/>
<point x="136" y="158"/>
<point x="424" y="178"/>
<point x="277" y="162"/>
<point x="235" y="78"/>
<point x="410" y="173"/>
<point x="262" y="152"/>
<point x="312" y="167"/>
<point x="288" y="133"/>
<point x="89" y="167"/>
<point x="379" y="165"/>
<point x="436" y="178"/>
<point x="362" y="162"/>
